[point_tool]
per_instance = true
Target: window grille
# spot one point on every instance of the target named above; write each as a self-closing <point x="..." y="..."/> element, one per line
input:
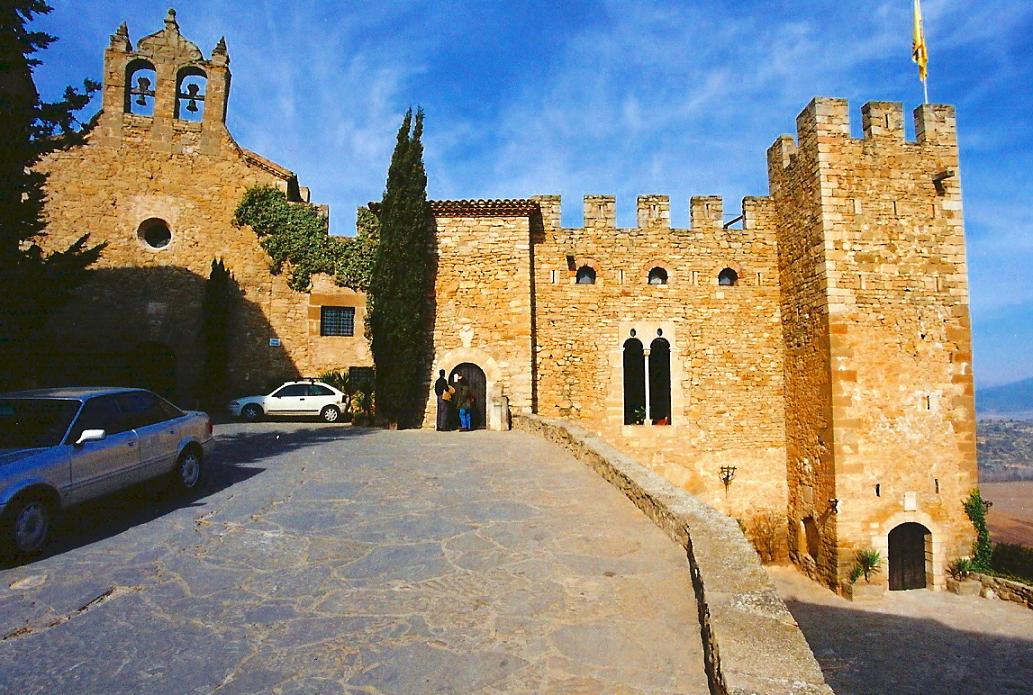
<point x="337" y="320"/>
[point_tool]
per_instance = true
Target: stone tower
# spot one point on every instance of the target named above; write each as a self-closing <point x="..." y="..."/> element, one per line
<point x="880" y="415"/>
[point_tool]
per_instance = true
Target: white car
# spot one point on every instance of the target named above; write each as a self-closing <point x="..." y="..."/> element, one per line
<point x="306" y="398"/>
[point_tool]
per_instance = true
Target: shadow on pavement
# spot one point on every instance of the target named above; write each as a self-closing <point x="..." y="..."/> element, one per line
<point x="869" y="652"/>
<point x="142" y="503"/>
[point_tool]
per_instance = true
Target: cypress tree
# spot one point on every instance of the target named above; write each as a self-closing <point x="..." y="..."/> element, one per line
<point x="398" y="285"/>
<point x="216" y="311"/>
<point x="31" y="283"/>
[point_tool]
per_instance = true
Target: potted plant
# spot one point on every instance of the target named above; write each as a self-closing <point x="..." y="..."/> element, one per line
<point x="960" y="579"/>
<point x="867" y="562"/>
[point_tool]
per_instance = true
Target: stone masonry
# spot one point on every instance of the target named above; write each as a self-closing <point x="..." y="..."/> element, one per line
<point x="807" y="361"/>
<point x="137" y="171"/>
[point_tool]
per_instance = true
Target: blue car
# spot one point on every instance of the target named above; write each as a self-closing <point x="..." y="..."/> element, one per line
<point x="60" y="447"/>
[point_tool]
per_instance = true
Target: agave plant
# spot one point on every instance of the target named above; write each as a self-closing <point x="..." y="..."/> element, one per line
<point x="867" y="561"/>
<point x="960" y="568"/>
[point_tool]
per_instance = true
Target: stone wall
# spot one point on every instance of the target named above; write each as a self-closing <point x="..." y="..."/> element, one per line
<point x="725" y="341"/>
<point x="751" y="643"/>
<point x="876" y="225"/>
<point x="190" y="175"/>
<point x="1006" y="589"/>
<point x="481" y="305"/>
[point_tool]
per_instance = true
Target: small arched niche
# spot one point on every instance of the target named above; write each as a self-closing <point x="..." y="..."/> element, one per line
<point x="728" y="278"/>
<point x="812" y="537"/>
<point x="586" y="275"/>
<point x="191" y="86"/>
<point x="141" y="81"/>
<point x="657" y="276"/>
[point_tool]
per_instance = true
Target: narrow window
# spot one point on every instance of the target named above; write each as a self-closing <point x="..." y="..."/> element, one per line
<point x="141" y="80"/>
<point x="634" y="382"/>
<point x="658" y="276"/>
<point x="337" y="321"/>
<point x="728" y="278"/>
<point x="660" y="382"/>
<point x="191" y="84"/>
<point x="878" y="490"/>
<point x="586" y="275"/>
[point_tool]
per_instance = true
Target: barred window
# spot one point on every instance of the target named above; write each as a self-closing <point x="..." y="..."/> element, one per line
<point x="337" y="320"/>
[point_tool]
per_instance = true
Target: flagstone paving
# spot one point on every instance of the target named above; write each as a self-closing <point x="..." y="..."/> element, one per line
<point x="330" y="559"/>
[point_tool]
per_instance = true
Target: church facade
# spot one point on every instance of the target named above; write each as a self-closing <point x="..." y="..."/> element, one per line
<point x="808" y="360"/>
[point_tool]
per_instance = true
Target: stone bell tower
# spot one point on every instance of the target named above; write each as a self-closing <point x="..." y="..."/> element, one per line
<point x="164" y="91"/>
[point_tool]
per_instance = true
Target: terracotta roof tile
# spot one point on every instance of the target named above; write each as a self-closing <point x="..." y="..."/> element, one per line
<point x="492" y="207"/>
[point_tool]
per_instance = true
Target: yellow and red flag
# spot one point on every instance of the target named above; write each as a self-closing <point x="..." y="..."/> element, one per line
<point x="919" y="53"/>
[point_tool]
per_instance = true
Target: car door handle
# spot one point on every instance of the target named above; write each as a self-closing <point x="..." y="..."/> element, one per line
<point x="130" y="443"/>
<point x="301" y="399"/>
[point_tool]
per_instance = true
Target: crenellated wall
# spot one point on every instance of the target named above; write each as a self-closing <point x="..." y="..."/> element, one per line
<point x="879" y="396"/>
<point x="726" y="341"/>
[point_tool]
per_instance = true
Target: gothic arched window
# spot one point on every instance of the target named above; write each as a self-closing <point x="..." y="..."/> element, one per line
<point x="141" y="80"/>
<point x="634" y="382"/>
<point x="728" y="278"/>
<point x="586" y="275"/>
<point x="660" y="382"/>
<point x="191" y="85"/>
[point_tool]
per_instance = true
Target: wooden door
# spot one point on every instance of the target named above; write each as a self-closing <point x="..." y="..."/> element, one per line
<point x="475" y="380"/>
<point x="907" y="556"/>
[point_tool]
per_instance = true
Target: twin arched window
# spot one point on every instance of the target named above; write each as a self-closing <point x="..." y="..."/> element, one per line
<point x="647" y="382"/>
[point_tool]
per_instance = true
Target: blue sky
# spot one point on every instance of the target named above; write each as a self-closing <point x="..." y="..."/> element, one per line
<point x="570" y="97"/>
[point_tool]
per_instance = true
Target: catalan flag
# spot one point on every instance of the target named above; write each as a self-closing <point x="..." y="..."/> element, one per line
<point x="919" y="53"/>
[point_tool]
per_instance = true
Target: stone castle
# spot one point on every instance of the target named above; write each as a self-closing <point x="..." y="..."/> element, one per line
<point x="808" y="361"/>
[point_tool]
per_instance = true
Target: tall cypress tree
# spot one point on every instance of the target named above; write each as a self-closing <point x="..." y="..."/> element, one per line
<point x="31" y="282"/>
<point x="397" y="292"/>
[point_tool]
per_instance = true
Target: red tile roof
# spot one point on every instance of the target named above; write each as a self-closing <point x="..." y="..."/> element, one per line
<point x="494" y="207"/>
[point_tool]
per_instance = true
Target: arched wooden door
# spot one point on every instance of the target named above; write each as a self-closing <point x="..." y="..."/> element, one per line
<point x="907" y="556"/>
<point x="475" y="379"/>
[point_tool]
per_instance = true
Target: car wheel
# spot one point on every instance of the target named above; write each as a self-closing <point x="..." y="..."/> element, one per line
<point x="330" y="413"/>
<point x="189" y="471"/>
<point x="251" y="412"/>
<point x="27" y="525"/>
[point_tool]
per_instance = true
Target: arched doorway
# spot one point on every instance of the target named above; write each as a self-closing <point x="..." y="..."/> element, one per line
<point x="152" y="365"/>
<point x="909" y="545"/>
<point x="475" y="379"/>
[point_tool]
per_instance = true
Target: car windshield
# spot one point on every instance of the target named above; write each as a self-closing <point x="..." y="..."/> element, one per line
<point x="27" y="423"/>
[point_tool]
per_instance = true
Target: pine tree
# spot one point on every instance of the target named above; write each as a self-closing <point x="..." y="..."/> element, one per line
<point x="32" y="283"/>
<point x="398" y="286"/>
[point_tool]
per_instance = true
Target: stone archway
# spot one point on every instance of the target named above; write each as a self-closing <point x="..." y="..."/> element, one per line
<point x="452" y="359"/>
<point x="910" y="553"/>
<point x="477" y="382"/>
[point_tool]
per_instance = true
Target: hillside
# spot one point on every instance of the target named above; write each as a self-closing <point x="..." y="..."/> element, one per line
<point x="1013" y="400"/>
<point x="1005" y="449"/>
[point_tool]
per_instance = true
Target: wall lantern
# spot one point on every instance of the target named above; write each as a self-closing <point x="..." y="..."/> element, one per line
<point x="834" y="505"/>
<point x="727" y="474"/>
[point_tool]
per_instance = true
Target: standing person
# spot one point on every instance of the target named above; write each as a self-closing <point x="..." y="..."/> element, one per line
<point x="444" y="393"/>
<point x="464" y="401"/>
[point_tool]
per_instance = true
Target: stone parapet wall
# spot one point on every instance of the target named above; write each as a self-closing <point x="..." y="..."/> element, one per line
<point x="751" y="642"/>
<point x="1007" y="589"/>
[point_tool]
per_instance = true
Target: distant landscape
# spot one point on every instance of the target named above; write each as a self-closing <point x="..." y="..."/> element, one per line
<point x="1005" y="442"/>
<point x="1012" y="401"/>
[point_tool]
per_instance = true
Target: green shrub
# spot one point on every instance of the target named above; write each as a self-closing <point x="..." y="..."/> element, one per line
<point x="960" y="568"/>
<point x="1013" y="560"/>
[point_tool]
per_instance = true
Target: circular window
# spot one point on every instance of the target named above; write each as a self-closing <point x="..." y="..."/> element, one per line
<point x="155" y="233"/>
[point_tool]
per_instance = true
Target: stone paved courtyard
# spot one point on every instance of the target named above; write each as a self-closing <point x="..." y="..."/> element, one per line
<point x="913" y="642"/>
<point x="328" y="559"/>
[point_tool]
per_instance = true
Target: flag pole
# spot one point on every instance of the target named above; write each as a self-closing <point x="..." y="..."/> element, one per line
<point x="919" y="50"/>
<point x="925" y="90"/>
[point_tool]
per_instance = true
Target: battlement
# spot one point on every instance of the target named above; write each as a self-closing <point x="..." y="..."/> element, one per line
<point x="653" y="212"/>
<point x="882" y="122"/>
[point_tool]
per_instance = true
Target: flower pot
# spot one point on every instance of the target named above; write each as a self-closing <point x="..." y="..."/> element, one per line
<point x="863" y="591"/>
<point x="964" y="587"/>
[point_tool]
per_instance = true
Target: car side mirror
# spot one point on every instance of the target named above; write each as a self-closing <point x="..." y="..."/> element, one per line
<point x="90" y="436"/>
